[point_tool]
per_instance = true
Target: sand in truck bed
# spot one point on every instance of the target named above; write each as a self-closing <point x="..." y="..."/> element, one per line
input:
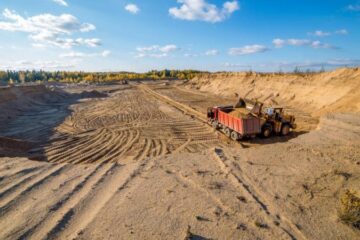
<point x="240" y="113"/>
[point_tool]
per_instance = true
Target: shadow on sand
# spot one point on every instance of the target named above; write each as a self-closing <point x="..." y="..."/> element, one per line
<point x="250" y="142"/>
<point x="33" y="126"/>
<point x="276" y="138"/>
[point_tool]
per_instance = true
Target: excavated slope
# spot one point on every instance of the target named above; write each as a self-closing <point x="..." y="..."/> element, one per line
<point x="15" y="100"/>
<point x="319" y="93"/>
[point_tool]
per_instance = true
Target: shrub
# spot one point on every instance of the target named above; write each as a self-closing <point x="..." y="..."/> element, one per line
<point x="349" y="211"/>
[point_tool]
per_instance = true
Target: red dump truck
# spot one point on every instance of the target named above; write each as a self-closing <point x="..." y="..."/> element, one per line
<point x="252" y="122"/>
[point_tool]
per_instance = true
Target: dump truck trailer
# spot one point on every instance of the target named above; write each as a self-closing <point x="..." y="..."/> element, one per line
<point x="234" y="127"/>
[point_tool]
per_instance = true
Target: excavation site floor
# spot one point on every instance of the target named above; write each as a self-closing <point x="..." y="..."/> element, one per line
<point x="138" y="161"/>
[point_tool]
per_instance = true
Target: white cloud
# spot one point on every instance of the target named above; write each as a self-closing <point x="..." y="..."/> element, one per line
<point x="320" y="33"/>
<point x="106" y="53"/>
<point x="212" y="52"/>
<point x="354" y="8"/>
<point x="298" y="42"/>
<point x="87" y="27"/>
<point x="151" y="55"/>
<point x="318" y="64"/>
<point x="279" y="43"/>
<point x="69" y="42"/>
<point x="132" y="8"/>
<point x="84" y="55"/>
<point x="39" y="65"/>
<point x="61" y="2"/>
<point x="237" y="65"/>
<point x="168" y="48"/>
<point x="230" y="7"/>
<point x="49" y="29"/>
<point x="289" y="66"/>
<point x="342" y="32"/>
<point x="73" y="55"/>
<point x="190" y="55"/>
<point x="202" y="10"/>
<point x="38" y="45"/>
<point x="318" y="44"/>
<point x="156" y="51"/>
<point x="250" y="49"/>
<point x="147" y="49"/>
<point x="343" y="62"/>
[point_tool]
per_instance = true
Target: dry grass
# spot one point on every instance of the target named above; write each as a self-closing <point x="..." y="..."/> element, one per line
<point x="260" y="224"/>
<point x="349" y="211"/>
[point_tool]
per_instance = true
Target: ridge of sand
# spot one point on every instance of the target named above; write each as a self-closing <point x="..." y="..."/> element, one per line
<point x="316" y="93"/>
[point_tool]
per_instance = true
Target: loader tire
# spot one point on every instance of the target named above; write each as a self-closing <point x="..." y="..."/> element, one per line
<point x="285" y="130"/>
<point x="227" y="132"/>
<point x="266" y="131"/>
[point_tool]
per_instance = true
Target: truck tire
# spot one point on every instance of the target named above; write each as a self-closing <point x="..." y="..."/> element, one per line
<point x="235" y="136"/>
<point x="215" y="125"/>
<point x="285" y="130"/>
<point x="266" y="131"/>
<point x="227" y="132"/>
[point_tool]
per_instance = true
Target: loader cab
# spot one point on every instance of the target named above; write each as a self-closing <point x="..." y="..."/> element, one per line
<point x="274" y="112"/>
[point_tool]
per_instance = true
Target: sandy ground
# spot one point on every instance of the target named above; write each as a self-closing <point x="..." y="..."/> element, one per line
<point x="138" y="162"/>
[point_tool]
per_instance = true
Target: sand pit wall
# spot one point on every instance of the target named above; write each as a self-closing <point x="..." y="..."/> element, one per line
<point x="319" y="93"/>
<point x="14" y="100"/>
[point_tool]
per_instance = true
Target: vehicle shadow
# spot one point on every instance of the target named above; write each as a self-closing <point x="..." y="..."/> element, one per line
<point x="276" y="138"/>
<point x="197" y="237"/>
<point x="31" y="126"/>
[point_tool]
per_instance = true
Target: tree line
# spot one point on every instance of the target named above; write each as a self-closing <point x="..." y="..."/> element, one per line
<point x="18" y="77"/>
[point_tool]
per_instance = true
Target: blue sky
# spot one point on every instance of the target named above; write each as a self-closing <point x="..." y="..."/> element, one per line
<point x="213" y="35"/>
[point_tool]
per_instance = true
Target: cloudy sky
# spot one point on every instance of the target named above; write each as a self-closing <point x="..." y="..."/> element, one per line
<point x="213" y="35"/>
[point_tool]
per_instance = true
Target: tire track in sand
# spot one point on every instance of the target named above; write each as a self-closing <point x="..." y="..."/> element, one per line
<point x="62" y="209"/>
<point x="83" y="213"/>
<point x="293" y="232"/>
<point x="19" y="190"/>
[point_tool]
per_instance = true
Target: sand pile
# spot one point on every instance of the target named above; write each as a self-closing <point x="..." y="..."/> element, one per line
<point x="15" y="100"/>
<point x="92" y="94"/>
<point x="319" y="93"/>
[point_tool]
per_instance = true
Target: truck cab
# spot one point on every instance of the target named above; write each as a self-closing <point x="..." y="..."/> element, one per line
<point x="213" y="114"/>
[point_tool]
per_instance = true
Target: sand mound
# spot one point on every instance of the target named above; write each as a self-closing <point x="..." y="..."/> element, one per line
<point x="336" y="91"/>
<point x="92" y="94"/>
<point x="15" y="100"/>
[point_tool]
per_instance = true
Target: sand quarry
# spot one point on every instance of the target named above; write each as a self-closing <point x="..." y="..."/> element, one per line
<point x="137" y="161"/>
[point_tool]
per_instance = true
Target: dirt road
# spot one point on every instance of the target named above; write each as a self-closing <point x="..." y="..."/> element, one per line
<point x="140" y="163"/>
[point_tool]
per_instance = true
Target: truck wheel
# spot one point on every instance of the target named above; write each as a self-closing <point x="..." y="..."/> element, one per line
<point x="285" y="130"/>
<point x="235" y="136"/>
<point x="266" y="132"/>
<point x="215" y="125"/>
<point x="227" y="132"/>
